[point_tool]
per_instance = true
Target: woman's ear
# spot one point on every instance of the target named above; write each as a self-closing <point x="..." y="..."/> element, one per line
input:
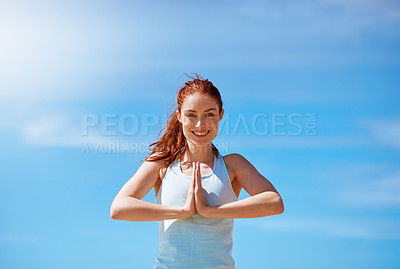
<point x="221" y="114"/>
<point x="178" y="116"/>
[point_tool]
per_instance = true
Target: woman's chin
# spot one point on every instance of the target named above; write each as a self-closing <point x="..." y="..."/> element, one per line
<point x="200" y="141"/>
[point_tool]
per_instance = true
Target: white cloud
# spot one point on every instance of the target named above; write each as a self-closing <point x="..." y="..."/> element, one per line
<point x="353" y="185"/>
<point x="293" y="142"/>
<point x="381" y="192"/>
<point x="46" y="55"/>
<point x="62" y="130"/>
<point x="385" y="131"/>
<point x="15" y="237"/>
<point x="336" y="227"/>
<point x="57" y="131"/>
<point x="382" y="132"/>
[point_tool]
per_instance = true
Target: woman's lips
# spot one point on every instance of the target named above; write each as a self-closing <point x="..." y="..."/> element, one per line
<point x="200" y="134"/>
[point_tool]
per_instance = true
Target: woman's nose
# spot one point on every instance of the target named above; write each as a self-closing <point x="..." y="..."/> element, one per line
<point x="200" y="122"/>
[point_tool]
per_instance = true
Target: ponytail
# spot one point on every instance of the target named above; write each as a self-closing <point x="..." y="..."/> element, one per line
<point x="171" y="145"/>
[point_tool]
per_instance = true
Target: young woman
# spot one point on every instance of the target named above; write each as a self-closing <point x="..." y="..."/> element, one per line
<point x="196" y="188"/>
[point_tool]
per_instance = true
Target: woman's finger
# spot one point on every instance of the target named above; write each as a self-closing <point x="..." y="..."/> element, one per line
<point x="193" y="182"/>
<point x="198" y="175"/>
<point x="198" y="170"/>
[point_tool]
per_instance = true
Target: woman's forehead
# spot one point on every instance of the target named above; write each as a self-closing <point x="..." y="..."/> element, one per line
<point x="199" y="102"/>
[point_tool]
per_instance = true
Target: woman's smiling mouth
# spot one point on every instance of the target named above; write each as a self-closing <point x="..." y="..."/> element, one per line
<point x="200" y="134"/>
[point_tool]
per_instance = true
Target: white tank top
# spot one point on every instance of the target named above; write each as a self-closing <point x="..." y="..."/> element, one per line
<point x="195" y="242"/>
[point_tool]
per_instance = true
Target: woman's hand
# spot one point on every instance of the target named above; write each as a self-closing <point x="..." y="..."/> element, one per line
<point x="200" y="198"/>
<point x="189" y="207"/>
<point x="196" y="200"/>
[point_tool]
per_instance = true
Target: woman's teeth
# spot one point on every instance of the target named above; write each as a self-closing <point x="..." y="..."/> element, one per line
<point x="201" y="134"/>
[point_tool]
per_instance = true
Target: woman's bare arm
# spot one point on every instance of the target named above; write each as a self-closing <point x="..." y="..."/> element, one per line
<point x="127" y="205"/>
<point x="264" y="200"/>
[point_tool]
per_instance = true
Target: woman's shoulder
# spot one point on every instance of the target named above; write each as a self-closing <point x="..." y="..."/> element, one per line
<point x="158" y="165"/>
<point x="234" y="158"/>
<point x="234" y="161"/>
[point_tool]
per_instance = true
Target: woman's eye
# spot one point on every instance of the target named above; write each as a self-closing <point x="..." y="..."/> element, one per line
<point x="194" y="115"/>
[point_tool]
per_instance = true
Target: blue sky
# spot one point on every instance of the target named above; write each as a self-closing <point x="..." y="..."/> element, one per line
<point x="310" y="92"/>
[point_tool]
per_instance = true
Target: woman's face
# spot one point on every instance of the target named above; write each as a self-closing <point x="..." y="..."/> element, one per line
<point x="199" y="117"/>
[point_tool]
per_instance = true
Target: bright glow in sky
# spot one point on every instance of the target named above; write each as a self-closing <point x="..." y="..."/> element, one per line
<point x="310" y="92"/>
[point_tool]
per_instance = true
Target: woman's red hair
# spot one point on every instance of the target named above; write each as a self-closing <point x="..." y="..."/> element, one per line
<point x="173" y="143"/>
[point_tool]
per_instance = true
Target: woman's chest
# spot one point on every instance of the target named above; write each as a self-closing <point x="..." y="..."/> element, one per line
<point x="174" y="190"/>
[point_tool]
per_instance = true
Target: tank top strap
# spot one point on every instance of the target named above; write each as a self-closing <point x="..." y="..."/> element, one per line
<point x="220" y="167"/>
<point x="172" y="168"/>
<point x="175" y="167"/>
<point x="222" y="172"/>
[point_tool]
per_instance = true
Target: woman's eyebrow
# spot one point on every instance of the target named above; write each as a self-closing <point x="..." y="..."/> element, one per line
<point x="191" y="110"/>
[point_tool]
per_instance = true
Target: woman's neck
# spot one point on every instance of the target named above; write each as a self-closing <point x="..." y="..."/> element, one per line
<point x="198" y="153"/>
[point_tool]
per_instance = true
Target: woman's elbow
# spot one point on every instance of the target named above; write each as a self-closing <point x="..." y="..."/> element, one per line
<point x="280" y="206"/>
<point x="113" y="214"/>
<point x="114" y="211"/>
